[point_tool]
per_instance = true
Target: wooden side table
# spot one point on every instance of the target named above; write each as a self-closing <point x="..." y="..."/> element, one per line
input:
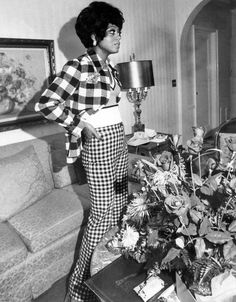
<point x="150" y="148"/>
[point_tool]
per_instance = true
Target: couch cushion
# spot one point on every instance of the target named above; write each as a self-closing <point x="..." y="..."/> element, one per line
<point x="52" y="263"/>
<point x="55" y="215"/>
<point x="12" y="249"/>
<point x="42" y="150"/>
<point x="22" y="182"/>
<point x="15" y="284"/>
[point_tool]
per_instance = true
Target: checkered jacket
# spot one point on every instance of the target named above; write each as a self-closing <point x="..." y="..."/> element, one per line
<point x="82" y="84"/>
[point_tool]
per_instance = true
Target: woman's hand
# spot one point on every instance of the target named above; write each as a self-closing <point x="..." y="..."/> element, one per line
<point x="89" y="131"/>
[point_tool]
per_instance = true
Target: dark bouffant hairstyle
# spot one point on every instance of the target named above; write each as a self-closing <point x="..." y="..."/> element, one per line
<point x="94" y="19"/>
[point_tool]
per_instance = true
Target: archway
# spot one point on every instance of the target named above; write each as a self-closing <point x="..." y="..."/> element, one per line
<point x="187" y="73"/>
<point x="210" y="16"/>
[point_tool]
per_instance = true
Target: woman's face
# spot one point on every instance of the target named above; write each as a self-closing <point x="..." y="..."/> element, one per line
<point x="110" y="44"/>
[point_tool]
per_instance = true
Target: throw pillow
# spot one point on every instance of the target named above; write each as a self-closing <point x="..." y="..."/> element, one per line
<point x="22" y="182"/>
<point x="65" y="174"/>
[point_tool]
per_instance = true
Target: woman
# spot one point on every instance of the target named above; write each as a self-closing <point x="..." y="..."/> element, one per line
<point x="84" y="100"/>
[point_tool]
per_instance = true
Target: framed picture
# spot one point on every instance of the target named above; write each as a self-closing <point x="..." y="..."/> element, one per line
<point x="27" y="66"/>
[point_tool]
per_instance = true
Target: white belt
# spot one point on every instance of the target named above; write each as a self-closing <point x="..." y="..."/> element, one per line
<point x="103" y="117"/>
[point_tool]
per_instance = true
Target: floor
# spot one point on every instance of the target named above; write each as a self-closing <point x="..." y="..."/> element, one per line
<point x="56" y="293"/>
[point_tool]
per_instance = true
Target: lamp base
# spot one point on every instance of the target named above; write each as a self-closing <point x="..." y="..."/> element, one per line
<point x="139" y="127"/>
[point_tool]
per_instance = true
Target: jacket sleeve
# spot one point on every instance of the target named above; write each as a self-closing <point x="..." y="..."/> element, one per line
<point x="57" y="104"/>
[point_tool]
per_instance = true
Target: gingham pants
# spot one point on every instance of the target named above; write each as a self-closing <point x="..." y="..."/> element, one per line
<point x="106" y="164"/>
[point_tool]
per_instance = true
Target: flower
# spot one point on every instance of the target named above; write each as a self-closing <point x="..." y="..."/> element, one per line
<point x="130" y="238"/>
<point x="177" y="205"/>
<point x="15" y="82"/>
<point x="138" y="208"/>
<point x="93" y="79"/>
<point x="182" y="221"/>
<point x="165" y="159"/>
<point x="175" y="140"/>
<point x="195" y="144"/>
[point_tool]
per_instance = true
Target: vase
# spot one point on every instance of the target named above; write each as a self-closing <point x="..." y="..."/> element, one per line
<point x="223" y="290"/>
<point x="6" y="105"/>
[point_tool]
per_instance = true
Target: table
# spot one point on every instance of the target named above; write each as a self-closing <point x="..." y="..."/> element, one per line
<point x="102" y="257"/>
<point x="150" y="148"/>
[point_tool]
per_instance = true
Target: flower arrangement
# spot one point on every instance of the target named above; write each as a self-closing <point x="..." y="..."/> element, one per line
<point x="182" y="220"/>
<point x="16" y="85"/>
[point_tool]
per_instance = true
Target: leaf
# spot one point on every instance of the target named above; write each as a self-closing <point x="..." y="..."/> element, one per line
<point x="176" y="222"/>
<point x="195" y="200"/>
<point x="195" y="215"/>
<point x="151" y="165"/>
<point x="191" y="230"/>
<point x="205" y="202"/>
<point x="203" y="230"/>
<point x="200" y="247"/>
<point x="215" y="180"/>
<point x="213" y="183"/>
<point x="197" y="180"/>
<point x="179" y="241"/>
<point x="207" y="190"/>
<point x="218" y="237"/>
<point x="173" y="187"/>
<point x="232" y="226"/>
<point x="171" y="255"/>
<point x="229" y="250"/>
<point x="184" y="219"/>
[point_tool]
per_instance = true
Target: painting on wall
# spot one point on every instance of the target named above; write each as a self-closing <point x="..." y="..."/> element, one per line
<point x="27" y="66"/>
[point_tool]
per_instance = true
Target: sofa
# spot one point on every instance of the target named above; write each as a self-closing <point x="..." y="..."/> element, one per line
<point x="44" y="204"/>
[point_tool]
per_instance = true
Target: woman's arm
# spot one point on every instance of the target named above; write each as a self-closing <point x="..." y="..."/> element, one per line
<point x="57" y="103"/>
<point x="54" y="104"/>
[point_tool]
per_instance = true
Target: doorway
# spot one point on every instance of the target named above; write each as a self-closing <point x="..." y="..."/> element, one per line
<point x="205" y="74"/>
<point x="206" y="63"/>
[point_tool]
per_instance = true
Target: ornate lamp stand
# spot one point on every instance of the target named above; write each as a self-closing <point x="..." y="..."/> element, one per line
<point x="136" y="77"/>
<point x="136" y="96"/>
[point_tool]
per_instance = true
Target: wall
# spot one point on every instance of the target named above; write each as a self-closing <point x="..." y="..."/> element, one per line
<point x="154" y="29"/>
<point x="149" y="32"/>
<point x="233" y="64"/>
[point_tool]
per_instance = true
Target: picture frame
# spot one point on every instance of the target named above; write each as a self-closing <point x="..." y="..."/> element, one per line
<point x="27" y="67"/>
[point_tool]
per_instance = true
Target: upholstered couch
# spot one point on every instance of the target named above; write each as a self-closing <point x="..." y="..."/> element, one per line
<point x="43" y="208"/>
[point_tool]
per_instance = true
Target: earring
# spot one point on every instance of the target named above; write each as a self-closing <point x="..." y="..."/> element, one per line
<point x="94" y="42"/>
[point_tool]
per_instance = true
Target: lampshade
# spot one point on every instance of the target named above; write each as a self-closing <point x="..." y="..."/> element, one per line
<point x="136" y="74"/>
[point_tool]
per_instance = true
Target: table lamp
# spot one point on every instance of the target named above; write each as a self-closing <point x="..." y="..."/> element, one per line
<point x="137" y="78"/>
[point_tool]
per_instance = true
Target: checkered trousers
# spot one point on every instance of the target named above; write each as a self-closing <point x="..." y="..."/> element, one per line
<point x="106" y="164"/>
